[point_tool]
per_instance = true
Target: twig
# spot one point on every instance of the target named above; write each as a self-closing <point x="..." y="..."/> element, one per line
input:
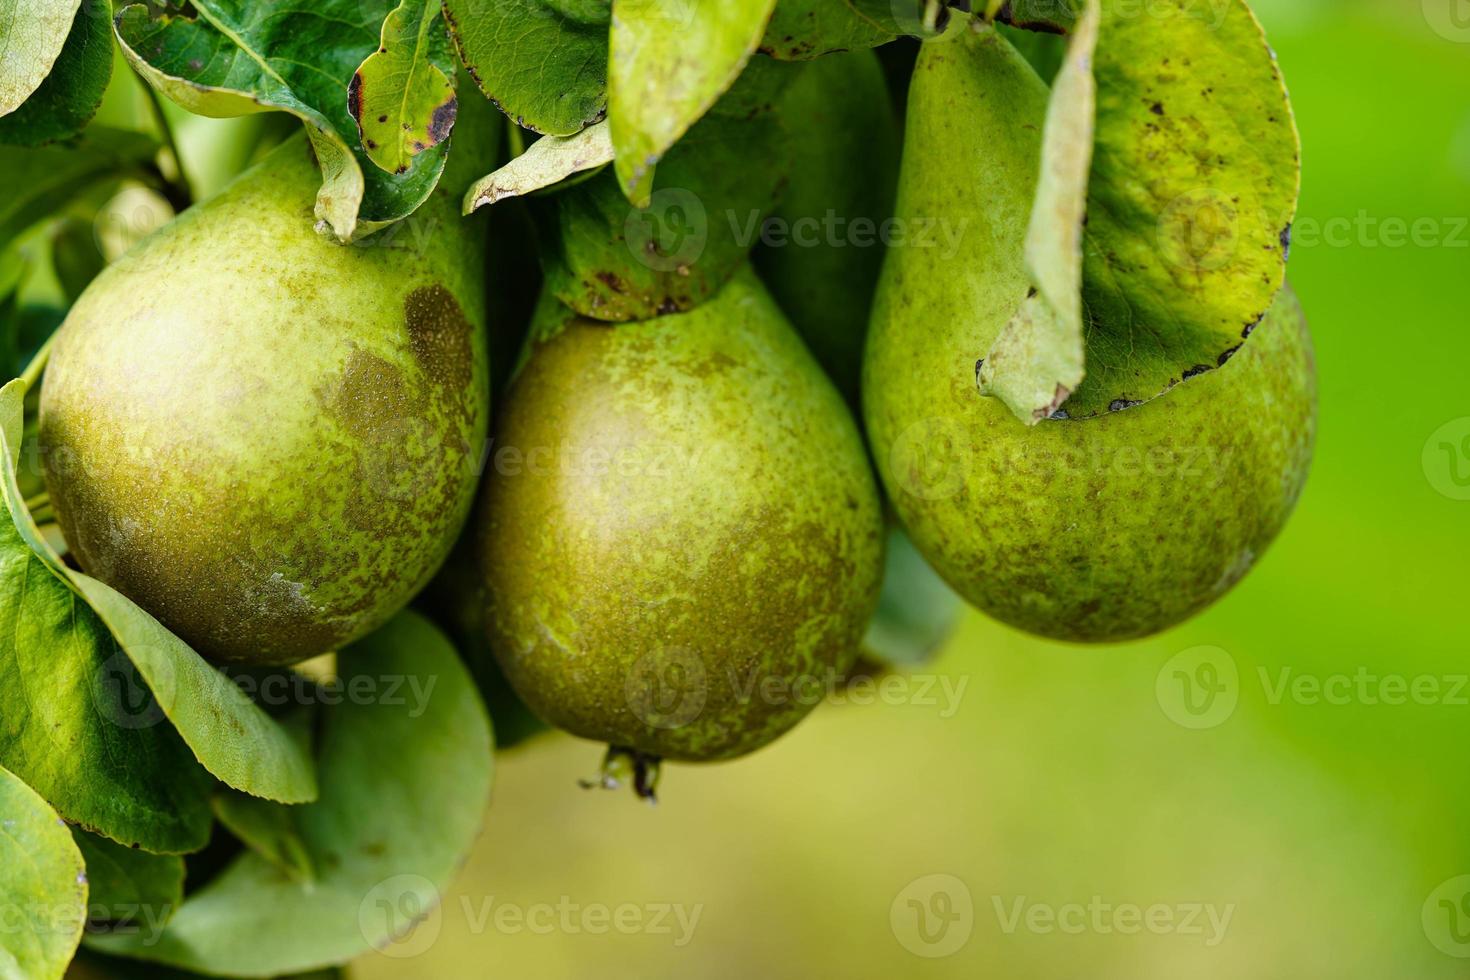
<point x="178" y="191"/>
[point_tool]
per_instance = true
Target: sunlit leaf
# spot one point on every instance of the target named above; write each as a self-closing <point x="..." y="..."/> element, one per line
<point x="546" y="162"/>
<point x="34" y="32"/>
<point x="68" y="98"/>
<point x="43" y="884"/>
<point x="403" y="102"/>
<point x="670" y="61"/>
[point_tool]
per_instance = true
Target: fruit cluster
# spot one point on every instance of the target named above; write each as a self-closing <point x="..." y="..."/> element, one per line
<point x="271" y="442"/>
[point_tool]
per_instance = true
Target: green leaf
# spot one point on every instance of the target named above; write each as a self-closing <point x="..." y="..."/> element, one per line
<point x="268" y="829"/>
<point x="800" y="30"/>
<point x="610" y="261"/>
<point x="401" y="98"/>
<point x="41" y="181"/>
<point x="1195" y="176"/>
<point x="405" y="783"/>
<point x="43" y="884"/>
<point x="241" y="56"/>
<point x="68" y="98"/>
<point x="916" y="611"/>
<point x="34" y="32"/>
<point x="670" y="61"/>
<point x="75" y="721"/>
<point x="543" y="62"/>
<point x="1039" y="358"/>
<point x="234" y="739"/>
<point x="546" y="162"/>
<point x="129" y="888"/>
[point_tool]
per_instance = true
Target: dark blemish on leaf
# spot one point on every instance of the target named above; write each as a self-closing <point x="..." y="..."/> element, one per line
<point x="442" y="121"/>
<point x="372" y="144"/>
<point x="382" y="119"/>
<point x="667" y="305"/>
<point x="439" y="336"/>
<point x="1196" y="371"/>
<point x="1250" y="328"/>
<point x="1157" y="108"/>
<point x="1286" y="242"/>
<point x="354" y="96"/>
<point x="1031" y="292"/>
<point x="1060" y="415"/>
<point x="978" y="365"/>
<point x="1006" y="15"/>
<point x="1228" y="355"/>
<point x="195" y="64"/>
<point x="1119" y="404"/>
<point x="611" y="280"/>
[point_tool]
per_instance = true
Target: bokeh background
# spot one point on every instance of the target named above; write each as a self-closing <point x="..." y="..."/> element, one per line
<point x="1280" y="788"/>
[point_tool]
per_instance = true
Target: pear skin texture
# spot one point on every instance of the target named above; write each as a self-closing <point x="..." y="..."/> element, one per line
<point x="267" y="440"/>
<point x="844" y="168"/>
<point x="681" y="536"/>
<point x="1097" y="530"/>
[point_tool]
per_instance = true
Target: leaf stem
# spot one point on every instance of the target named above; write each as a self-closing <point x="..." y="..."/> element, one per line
<point x="177" y="190"/>
<point x="33" y="370"/>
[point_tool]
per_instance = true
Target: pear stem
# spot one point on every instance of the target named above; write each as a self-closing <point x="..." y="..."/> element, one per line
<point x="624" y="764"/>
<point x="33" y="370"/>
<point x="178" y="191"/>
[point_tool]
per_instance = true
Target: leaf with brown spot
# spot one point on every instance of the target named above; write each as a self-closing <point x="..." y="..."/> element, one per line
<point x="1195" y="171"/>
<point x="546" y="162"/>
<point x="236" y="57"/>
<point x="402" y="95"/>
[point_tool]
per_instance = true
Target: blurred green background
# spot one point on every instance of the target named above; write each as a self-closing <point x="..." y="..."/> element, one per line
<point x="1279" y="833"/>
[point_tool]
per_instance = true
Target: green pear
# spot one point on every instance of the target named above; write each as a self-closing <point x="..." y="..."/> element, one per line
<point x="1087" y="530"/>
<point x="267" y="440"/>
<point x="680" y="534"/>
<point x="821" y="261"/>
